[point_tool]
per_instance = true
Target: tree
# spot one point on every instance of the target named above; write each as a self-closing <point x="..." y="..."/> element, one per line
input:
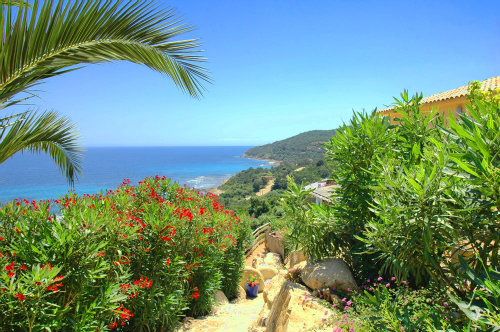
<point x="51" y="38"/>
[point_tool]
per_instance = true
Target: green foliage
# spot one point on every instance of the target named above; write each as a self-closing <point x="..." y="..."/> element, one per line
<point x="389" y="308"/>
<point x="299" y="148"/>
<point x="141" y="256"/>
<point x="483" y="303"/>
<point x="309" y="227"/>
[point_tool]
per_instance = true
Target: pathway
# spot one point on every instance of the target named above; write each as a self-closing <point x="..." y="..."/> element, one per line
<point x="233" y="317"/>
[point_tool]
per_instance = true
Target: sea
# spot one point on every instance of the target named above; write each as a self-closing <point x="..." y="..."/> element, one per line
<point x="36" y="177"/>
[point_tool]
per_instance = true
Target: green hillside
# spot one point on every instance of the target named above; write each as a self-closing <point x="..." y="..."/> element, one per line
<point x="302" y="147"/>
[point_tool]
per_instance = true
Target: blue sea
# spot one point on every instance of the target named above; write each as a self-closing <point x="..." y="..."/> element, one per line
<point x="36" y="177"/>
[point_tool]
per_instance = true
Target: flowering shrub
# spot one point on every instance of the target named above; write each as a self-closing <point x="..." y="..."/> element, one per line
<point x="135" y="258"/>
<point x="252" y="281"/>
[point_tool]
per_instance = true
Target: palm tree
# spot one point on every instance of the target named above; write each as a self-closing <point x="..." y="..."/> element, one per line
<point x="47" y="39"/>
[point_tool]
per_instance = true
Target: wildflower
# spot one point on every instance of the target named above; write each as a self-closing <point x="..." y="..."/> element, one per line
<point x="379" y="278"/>
<point x="168" y="261"/>
<point x="349" y="302"/>
<point x="393" y="278"/>
<point x="20" y="297"/>
<point x="195" y="295"/>
<point x="387" y="285"/>
<point x="404" y="282"/>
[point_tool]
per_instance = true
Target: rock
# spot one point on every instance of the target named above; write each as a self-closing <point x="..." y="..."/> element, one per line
<point x="273" y="287"/>
<point x="260" y="322"/>
<point x="257" y="261"/>
<point x="273" y="259"/>
<point x="274" y="243"/>
<point x="294" y="309"/>
<point x="242" y="294"/>
<point x="220" y="298"/>
<point x="247" y="272"/>
<point x="267" y="271"/>
<point x="294" y="258"/>
<point x="328" y="295"/>
<point x="329" y="272"/>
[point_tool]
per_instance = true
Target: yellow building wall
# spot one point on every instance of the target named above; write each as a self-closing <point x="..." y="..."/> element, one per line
<point x="441" y="106"/>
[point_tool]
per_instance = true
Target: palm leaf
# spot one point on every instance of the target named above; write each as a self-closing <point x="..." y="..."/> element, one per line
<point x="48" y="133"/>
<point x="51" y="38"/>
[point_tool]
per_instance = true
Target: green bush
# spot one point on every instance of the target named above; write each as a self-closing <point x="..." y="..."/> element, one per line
<point x="135" y="259"/>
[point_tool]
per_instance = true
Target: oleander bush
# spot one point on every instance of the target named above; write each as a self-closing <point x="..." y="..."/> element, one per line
<point x="133" y="259"/>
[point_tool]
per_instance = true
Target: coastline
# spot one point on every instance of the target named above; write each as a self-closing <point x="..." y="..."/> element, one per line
<point x="270" y="161"/>
<point x="217" y="191"/>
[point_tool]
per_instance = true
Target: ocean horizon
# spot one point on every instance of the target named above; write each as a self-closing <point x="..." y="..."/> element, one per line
<point x="36" y="177"/>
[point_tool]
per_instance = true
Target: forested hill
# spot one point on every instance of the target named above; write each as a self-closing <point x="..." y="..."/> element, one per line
<point x="302" y="147"/>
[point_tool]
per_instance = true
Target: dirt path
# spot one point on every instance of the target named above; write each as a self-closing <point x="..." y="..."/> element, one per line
<point x="233" y="317"/>
<point x="267" y="188"/>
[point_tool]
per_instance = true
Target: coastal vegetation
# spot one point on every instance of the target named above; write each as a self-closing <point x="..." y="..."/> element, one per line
<point x="240" y="192"/>
<point x="417" y="207"/>
<point x="135" y="259"/>
<point x="303" y="147"/>
<point x="50" y="38"/>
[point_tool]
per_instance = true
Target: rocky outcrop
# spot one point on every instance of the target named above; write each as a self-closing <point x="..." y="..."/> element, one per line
<point x="273" y="287"/>
<point x="267" y="271"/>
<point x="294" y="258"/>
<point x="249" y="271"/>
<point x="330" y="272"/>
<point x="293" y="310"/>
<point x="273" y="259"/>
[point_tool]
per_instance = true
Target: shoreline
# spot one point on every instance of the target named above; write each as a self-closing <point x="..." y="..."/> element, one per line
<point x="217" y="191"/>
<point x="270" y="161"/>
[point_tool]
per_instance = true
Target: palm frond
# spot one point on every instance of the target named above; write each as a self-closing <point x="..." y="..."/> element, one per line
<point x="48" y="133"/>
<point x="52" y="37"/>
<point x="17" y="3"/>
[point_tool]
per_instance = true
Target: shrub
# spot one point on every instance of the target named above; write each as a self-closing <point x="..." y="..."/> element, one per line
<point x="136" y="258"/>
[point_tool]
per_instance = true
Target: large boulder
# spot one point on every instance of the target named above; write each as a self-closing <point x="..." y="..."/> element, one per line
<point x="330" y="272"/>
<point x="294" y="258"/>
<point x="241" y="295"/>
<point x="273" y="259"/>
<point x="273" y="287"/>
<point x="220" y="297"/>
<point x="249" y="271"/>
<point x="267" y="271"/>
<point x="294" y="309"/>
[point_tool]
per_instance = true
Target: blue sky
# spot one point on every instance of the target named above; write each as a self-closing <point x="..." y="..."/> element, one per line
<point x="280" y="68"/>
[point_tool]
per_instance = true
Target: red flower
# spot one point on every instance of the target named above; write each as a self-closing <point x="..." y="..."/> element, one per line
<point x="10" y="267"/>
<point x="38" y="283"/>
<point x="20" y="297"/>
<point x="48" y="264"/>
<point x="1" y="238"/>
<point x="195" y="295"/>
<point x="168" y="261"/>
<point x="11" y="274"/>
<point x="113" y="325"/>
<point x="23" y="267"/>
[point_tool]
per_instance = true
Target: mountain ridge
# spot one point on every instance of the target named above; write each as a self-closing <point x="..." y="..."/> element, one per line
<point x="306" y="146"/>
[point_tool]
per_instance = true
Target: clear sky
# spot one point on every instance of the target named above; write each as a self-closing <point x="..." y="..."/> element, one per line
<point x="280" y="68"/>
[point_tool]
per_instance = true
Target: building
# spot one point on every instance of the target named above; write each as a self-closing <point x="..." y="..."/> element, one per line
<point x="322" y="191"/>
<point x="445" y="102"/>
